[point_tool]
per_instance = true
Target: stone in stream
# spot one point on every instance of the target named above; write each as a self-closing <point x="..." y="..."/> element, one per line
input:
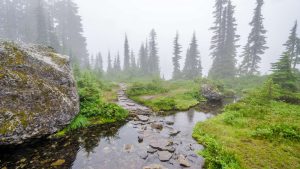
<point x="164" y="155"/>
<point x="158" y="126"/>
<point x="143" y="118"/>
<point x="155" y="166"/>
<point x="183" y="161"/>
<point x="151" y="150"/>
<point x="140" y="138"/>
<point x="128" y="148"/>
<point x="169" y="122"/>
<point x="143" y="155"/>
<point x="161" y="144"/>
<point x="130" y="104"/>
<point x="173" y="132"/>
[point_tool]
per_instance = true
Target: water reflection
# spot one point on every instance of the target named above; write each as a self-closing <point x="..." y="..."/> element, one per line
<point x="102" y="147"/>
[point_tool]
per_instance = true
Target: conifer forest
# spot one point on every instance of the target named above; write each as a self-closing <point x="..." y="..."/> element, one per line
<point x="140" y="84"/>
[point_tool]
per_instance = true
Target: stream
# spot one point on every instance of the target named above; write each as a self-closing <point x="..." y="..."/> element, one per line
<point x="147" y="140"/>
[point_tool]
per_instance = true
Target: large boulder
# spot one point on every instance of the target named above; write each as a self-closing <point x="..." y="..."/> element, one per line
<point x="38" y="94"/>
<point x="211" y="93"/>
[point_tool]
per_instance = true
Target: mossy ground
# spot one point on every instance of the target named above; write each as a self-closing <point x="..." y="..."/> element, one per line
<point x="252" y="134"/>
<point x="166" y="95"/>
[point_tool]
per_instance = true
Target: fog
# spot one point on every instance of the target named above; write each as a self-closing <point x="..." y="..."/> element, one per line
<point x="105" y="23"/>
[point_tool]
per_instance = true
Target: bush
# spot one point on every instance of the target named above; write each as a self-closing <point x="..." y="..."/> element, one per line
<point x="215" y="155"/>
<point x="149" y="88"/>
<point x="276" y="132"/>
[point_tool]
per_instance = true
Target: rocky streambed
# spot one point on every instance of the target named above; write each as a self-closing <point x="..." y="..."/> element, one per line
<point x="146" y="141"/>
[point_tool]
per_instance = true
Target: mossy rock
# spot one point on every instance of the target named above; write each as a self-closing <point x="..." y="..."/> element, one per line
<point x="37" y="92"/>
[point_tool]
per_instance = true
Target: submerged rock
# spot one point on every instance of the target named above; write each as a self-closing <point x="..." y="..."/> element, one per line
<point x="143" y="118"/>
<point x="164" y="155"/>
<point x="38" y="95"/>
<point x="154" y="166"/>
<point x="183" y="161"/>
<point x="211" y="93"/>
<point x="157" y="126"/>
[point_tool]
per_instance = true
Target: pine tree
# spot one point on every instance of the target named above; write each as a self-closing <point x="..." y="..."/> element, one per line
<point x="193" y="68"/>
<point x="176" y="58"/>
<point x="218" y="38"/>
<point x="99" y="64"/>
<point x="143" y="60"/>
<point x="292" y="46"/>
<point x="109" y="65"/>
<point x="229" y="69"/>
<point x="119" y="69"/>
<point x="126" y="55"/>
<point x="225" y="52"/>
<point x="132" y="60"/>
<point x="42" y="33"/>
<point x="283" y="73"/>
<point x="256" y="44"/>
<point x="153" y="57"/>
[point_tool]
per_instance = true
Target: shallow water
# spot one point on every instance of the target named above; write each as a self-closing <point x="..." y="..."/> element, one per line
<point x="102" y="148"/>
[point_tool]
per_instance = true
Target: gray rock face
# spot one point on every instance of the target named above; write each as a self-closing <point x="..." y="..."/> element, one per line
<point x="210" y="93"/>
<point x="37" y="92"/>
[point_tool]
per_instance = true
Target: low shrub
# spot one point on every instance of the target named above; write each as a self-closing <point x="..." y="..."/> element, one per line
<point x="216" y="156"/>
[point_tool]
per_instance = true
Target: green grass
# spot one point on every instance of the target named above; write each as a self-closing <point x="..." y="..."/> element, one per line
<point x="95" y="107"/>
<point x="257" y="132"/>
<point x="166" y="95"/>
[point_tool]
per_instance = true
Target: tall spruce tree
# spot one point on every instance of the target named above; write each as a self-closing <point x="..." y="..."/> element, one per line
<point x="109" y="64"/>
<point x="133" y="63"/>
<point x="153" y="55"/>
<point x="177" y="51"/>
<point x="42" y="34"/>
<point x="256" y="44"/>
<point x="283" y="73"/>
<point x="126" y="55"/>
<point x="143" y="60"/>
<point x="99" y="64"/>
<point x="225" y="49"/>
<point x="218" y="37"/>
<point x="118" y="66"/>
<point x="192" y="67"/>
<point x="229" y="58"/>
<point x="292" y="46"/>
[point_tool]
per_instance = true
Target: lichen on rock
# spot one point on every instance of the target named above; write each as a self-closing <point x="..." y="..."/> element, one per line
<point x="37" y="92"/>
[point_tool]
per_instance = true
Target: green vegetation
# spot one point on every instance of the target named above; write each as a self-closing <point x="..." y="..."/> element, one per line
<point x="260" y="131"/>
<point x="166" y="95"/>
<point x="94" y="109"/>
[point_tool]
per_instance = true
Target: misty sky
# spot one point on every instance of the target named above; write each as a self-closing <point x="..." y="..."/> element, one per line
<point x="106" y="21"/>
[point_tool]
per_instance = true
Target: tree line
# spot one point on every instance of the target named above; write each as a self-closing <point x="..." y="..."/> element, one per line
<point x="57" y="24"/>
<point x="54" y="23"/>
<point x="223" y="50"/>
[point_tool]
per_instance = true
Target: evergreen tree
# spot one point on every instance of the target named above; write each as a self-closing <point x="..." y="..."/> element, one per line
<point x="218" y="37"/>
<point x="99" y="64"/>
<point x="283" y="73"/>
<point x="109" y="64"/>
<point x="132" y="60"/>
<point x="229" y="69"/>
<point x="42" y="33"/>
<point x="126" y="55"/>
<point x="153" y="55"/>
<point x="143" y="60"/>
<point x="225" y="51"/>
<point x="256" y="44"/>
<point x="292" y="46"/>
<point x="118" y="66"/>
<point x="176" y="58"/>
<point x="192" y="67"/>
